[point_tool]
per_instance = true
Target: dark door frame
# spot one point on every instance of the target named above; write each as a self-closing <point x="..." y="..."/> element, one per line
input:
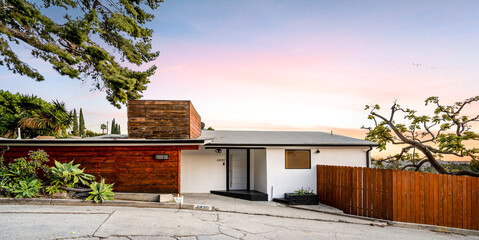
<point x="248" y="168"/>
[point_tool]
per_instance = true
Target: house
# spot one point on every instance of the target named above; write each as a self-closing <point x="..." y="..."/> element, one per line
<point x="270" y="162"/>
<point x="165" y="151"/>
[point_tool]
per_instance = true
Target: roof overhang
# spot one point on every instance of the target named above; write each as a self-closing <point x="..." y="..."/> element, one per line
<point x="102" y="142"/>
<point x="212" y="145"/>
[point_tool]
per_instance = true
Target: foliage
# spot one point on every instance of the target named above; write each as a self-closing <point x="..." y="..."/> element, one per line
<point x="52" y="189"/>
<point x="82" y="124"/>
<point x="67" y="174"/>
<point x="29" y="167"/>
<point x="89" y="133"/>
<point x="75" y="130"/>
<point x="115" y="127"/>
<point x="25" y="188"/>
<point x="103" y="128"/>
<point x="32" y="114"/>
<point x="83" y="44"/>
<point x="426" y="138"/>
<point x="100" y="191"/>
<point x="20" y="177"/>
<point x="19" y="174"/>
<point x="303" y="191"/>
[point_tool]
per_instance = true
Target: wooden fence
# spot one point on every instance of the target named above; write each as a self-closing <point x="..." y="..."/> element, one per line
<point x="426" y="198"/>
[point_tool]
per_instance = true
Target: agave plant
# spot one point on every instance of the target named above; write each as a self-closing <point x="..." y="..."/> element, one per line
<point x="25" y="188"/>
<point x="100" y="191"/>
<point x="69" y="175"/>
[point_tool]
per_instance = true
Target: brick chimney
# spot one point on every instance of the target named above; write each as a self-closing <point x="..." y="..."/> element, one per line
<point x="163" y="119"/>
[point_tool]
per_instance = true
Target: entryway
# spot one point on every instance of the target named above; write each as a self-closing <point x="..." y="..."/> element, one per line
<point x="238" y="175"/>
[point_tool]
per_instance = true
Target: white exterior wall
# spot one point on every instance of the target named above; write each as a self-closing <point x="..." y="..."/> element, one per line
<point x="281" y="180"/>
<point x="259" y="176"/>
<point x="202" y="170"/>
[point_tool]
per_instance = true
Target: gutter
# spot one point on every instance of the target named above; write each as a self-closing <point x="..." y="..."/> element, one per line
<point x="367" y="156"/>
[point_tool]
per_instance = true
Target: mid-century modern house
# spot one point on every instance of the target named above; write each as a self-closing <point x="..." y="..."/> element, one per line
<point x="166" y="151"/>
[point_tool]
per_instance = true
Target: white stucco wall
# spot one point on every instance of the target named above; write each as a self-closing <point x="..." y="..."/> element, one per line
<point x="202" y="171"/>
<point x="281" y="180"/>
<point x="258" y="163"/>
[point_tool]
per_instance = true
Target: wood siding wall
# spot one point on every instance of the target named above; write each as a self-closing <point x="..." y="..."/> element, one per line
<point x="161" y="119"/>
<point x="195" y="123"/>
<point x="131" y="168"/>
<point x="426" y="198"/>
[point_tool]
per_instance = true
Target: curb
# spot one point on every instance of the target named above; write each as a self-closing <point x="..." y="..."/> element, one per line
<point x="114" y="203"/>
<point x="434" y="228"/>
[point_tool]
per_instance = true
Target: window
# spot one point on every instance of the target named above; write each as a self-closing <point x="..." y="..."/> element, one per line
<point x="298" y="159"/>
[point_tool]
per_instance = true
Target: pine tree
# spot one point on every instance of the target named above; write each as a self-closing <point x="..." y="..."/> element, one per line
<point x="91" y="40"/>
<point x="75" y="123"/>
<point x="118" y="129"/>
<point x="113" y="127"/>
<point x="82" y="124"/>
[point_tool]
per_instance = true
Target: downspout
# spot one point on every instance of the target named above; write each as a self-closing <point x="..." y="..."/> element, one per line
<point x="367" y="156"/>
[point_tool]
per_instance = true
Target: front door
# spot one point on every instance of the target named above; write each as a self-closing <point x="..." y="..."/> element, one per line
<point x="238" y="172"/>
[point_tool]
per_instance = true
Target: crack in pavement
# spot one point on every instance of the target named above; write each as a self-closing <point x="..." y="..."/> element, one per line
<point x="93" y="235"/>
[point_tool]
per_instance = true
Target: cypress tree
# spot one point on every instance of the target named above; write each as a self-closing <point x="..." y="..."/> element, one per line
<point x="113" y="127"/>
<point x="82" y="124"/>
<point x="118" y="129"/>
<point x="75" y="123"/>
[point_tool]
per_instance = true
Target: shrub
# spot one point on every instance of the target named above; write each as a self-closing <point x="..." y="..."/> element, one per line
<point x="27" y="168"/>
<point x="69" y="175"/>
<point x="19" y="174"/>
<point x="100" y="191"/>
<point x="303" y="191"/>
<point x="52" y="189"/>
<point x="25" y="188"/>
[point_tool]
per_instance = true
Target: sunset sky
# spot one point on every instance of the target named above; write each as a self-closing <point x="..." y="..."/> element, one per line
<point x="292" y="65"/>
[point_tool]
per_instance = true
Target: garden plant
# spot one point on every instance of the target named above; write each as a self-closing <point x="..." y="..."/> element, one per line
<point x="29" y="177"/>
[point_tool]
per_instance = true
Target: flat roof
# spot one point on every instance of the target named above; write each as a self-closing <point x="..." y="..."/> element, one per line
<point x="279" y="138"/>
<point x="101" y="142"/>
<point x="209" y="138"/>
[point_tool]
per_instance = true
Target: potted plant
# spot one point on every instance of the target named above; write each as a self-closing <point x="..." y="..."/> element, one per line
<point x="302" y="197"/>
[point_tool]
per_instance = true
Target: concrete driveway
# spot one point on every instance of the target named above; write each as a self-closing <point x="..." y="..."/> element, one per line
<point x="102" y="222"/>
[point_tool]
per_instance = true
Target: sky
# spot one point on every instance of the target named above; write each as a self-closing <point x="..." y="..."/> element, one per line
<point x="292" y="65"/>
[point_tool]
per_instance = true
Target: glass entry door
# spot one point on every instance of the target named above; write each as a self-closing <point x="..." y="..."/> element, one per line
<point x="238" y="169"/>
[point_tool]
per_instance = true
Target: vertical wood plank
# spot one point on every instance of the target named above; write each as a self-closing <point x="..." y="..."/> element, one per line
<point x="374" y="184"/>
<point x="475" y="203"/>
<point x="409" y="192"/>
<point x="441" y="199"/>
<point x="396" y="187"/>
<point x="355" y="191"/>
<point x="422" y="197"/>
<point x="436" y="198"/>
<point x="450" y="188"/>
<point x="459" y="196"/>
<point x="455" y="205"/>
<point x="429" y="211"/>
<point x="372" y="192"/>
<point x="392" y="190"/>
<point x="468" y="202"/>
<point x="367" y="193"/>
<point x="403" y="197"/>
<point x="379" y="194"/>
<point x="417" y="184"/>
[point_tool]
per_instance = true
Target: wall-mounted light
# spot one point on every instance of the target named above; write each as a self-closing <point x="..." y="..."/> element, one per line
<point x="317" y="151"/>
<point x="218" y="150"/>
<point x="162" y="156"/>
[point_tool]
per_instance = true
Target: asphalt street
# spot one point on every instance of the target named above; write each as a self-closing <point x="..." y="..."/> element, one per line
<point x="101" y="222"/>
